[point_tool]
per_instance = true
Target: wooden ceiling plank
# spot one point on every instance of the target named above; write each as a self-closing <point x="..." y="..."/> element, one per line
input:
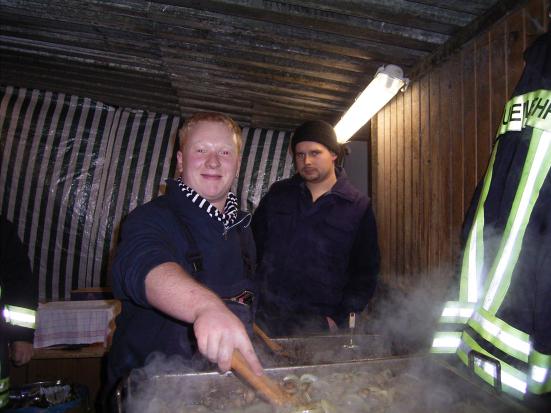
<point x="399" y="12"/>
<point x="236" y="99"/>
<point x="265" y="95"/>
<point x="81" y="13"/>
<point x="96" y="43"/>
<point x="296" y="71"/>
<point x="86" y="72"/>
<point x="74" y="54"/>
<point x="247" y="86"/>
<point x="256" y="50"/>
<point x="267" y="12"/>
<point x="467" y="6"/>
<point x="245" y="81"/>
<point x="211" y="24"/>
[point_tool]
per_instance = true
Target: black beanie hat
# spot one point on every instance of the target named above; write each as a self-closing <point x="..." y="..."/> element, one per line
<point x="316" y="131"/>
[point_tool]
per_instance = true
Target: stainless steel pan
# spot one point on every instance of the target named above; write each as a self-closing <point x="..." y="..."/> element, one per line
<point x="419" y="383"/>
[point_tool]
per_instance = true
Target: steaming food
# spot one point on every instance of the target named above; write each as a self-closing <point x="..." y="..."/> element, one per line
<point x="338" y="392"/>
<point x="391" y="384"/>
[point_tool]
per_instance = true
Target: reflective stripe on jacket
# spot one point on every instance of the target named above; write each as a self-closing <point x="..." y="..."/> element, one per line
<point x="11" y="316"/>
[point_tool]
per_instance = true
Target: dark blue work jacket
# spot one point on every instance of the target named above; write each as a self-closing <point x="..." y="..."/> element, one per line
<point x="152" y="235"/>
<point x="315" y="259"/>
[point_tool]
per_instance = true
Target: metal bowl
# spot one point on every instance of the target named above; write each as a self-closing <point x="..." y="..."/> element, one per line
<point x="47" y="394"/>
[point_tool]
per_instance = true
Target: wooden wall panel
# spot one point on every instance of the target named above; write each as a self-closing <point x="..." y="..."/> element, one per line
<point x="416" y="194"/>
<point x="407" y="201"/>
<point x="396" y="111"/>
<point x="498" y="84"/>
<point x="535" y="20"/>
<point x="456" y="149"/>
<point x="444" y="177"/>
<point x="426" y="165"/>
<point x="433" y="148"/>
<point x="514" y="49"/>
<point x="484" y="133"/>
<point x="387" y="185"/>
<point x="469" y="126"/>
<point x="432" y="145"/>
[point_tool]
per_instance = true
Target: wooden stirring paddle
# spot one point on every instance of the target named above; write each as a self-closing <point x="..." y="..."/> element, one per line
<point x="272" y="345"/>
<point x="263" y="384"/>
<point x="285" y="403"/>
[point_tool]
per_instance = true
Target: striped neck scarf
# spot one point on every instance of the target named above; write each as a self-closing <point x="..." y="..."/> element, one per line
<point x="229" y="215"/>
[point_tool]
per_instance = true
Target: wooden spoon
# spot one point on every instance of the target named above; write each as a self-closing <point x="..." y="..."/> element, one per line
<point x="285" y="403"/>
<point x="266" y="386"/>
<point x="272" y="345"/>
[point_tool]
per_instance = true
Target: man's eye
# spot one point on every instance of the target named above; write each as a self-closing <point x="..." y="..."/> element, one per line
<point x="225" y="153"/>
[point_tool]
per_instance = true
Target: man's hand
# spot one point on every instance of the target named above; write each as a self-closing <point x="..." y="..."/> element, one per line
<point x="21" y="352"/>
<point x="219" y="332"/>
<point x="173" y="291"/>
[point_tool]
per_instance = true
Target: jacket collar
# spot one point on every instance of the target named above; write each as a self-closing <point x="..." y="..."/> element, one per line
<point x="343" y="188"/>
<point x="183" y="206"/>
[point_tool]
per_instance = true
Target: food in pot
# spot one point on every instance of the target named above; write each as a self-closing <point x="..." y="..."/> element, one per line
<point x="339" y="392"/>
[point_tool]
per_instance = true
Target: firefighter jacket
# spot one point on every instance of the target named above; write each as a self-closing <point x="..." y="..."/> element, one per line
<point x="500" y="324"/>
<point x="18" y="298"/>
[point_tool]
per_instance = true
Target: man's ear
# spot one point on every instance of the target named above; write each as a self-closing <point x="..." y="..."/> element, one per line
<point x="179" y="162"/>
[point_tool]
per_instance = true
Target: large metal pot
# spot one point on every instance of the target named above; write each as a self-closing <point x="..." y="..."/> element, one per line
<point x="415" y="384"/>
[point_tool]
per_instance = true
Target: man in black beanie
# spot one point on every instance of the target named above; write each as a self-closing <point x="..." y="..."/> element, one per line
<point x="316" y="238"/>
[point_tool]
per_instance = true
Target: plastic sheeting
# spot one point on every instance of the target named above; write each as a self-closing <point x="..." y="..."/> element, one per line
<point x="72" y="168"/>
<point x="265" y="159"/>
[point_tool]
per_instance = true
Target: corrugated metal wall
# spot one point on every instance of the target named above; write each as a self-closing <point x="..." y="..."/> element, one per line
<point x="430" y="147"/>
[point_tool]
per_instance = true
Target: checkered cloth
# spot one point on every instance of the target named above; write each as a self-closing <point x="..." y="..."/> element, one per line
<point x="74" y="322"/>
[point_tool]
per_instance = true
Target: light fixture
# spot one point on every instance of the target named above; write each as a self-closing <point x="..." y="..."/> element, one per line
<point x="387" y="82"/>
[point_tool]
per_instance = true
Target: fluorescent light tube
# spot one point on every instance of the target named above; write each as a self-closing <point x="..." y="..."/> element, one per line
<point x="387" y="82"/>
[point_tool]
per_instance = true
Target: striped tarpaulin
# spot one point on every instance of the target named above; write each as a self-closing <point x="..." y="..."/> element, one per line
<point x="72" y="168"/>
<point x="137" y="162"/>
<point x="265" y="159"/>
